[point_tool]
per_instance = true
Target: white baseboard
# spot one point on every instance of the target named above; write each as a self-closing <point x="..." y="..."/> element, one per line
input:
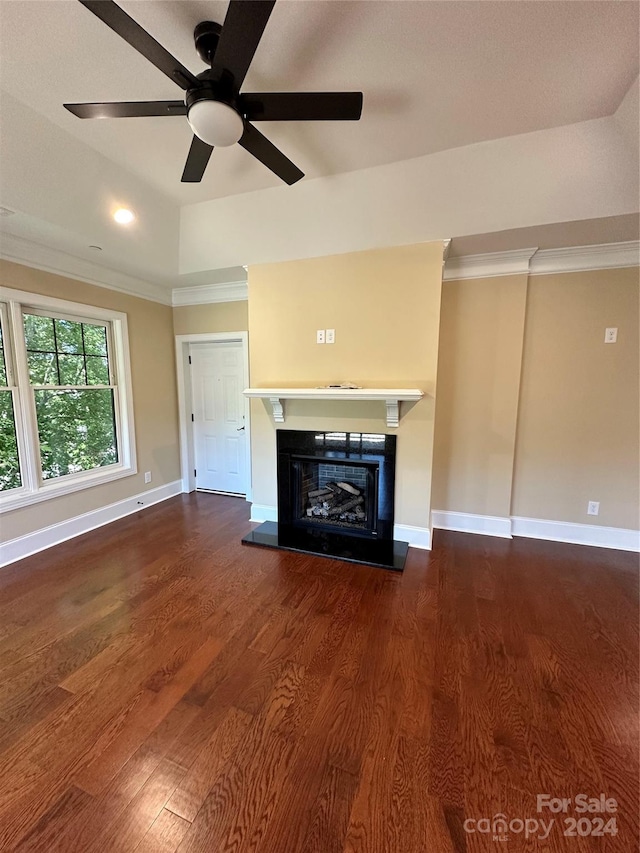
<point x="465" y="522"/>
<point x="417" y="537"/>
<point x="263" y="512"/>
<point x="46" y="537"/>
<point x="538" y="528"/>
<point x="580" y="534"/>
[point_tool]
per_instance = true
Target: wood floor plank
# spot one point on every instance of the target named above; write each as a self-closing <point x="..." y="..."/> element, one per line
<point x="329" y="822"/>
<point x="212" y="761"/>
<point x="76" y="831"/>
<point x="130" y="827"/>
<point x="164" y="835"/>
<point x="239" y="803"/>
<point x="46" y="833"/>
<point x="163" y="689"/>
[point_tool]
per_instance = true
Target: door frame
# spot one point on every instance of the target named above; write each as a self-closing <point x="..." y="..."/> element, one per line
<point x="187" y="452"/>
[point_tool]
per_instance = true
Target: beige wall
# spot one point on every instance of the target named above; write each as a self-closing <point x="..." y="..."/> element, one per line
<point x="481" y="330"/>
<point x="578" y="430"/>
<point x="536" y="415"/>
<point x="217" y="317"/>
<point x="385" y="308"/>
<point x="154" y="397"/>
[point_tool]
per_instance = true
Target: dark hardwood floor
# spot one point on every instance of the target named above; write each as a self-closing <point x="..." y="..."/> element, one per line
<point x="164" y="688"/>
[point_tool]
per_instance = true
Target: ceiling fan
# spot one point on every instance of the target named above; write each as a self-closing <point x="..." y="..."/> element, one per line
<point x="218" y="113"/>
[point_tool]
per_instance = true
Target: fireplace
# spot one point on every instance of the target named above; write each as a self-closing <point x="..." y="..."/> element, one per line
<point x="335" y="497"/>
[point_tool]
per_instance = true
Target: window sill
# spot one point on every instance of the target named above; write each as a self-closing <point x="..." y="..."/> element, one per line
<point x="58" y="489"/>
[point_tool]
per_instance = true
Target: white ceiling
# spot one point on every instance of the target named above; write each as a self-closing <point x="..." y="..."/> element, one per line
<point x="436" y="76"/>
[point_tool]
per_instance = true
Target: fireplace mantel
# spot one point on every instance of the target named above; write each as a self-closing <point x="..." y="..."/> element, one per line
<point x="390" y="396"/>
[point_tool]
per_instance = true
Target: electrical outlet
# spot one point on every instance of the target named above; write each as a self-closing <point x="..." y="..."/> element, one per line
<point x="147" y="476"/>
<point x="593" y="508"/>
<point x="331" y="336"/>
<point x="610" y="336"/>
<point x="320" y="336"/>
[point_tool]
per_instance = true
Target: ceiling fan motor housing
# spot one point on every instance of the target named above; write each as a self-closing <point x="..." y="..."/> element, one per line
<point x="215" y="84"/>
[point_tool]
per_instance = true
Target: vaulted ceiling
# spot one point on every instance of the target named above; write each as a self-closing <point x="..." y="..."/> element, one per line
<point x="437" y="77"/>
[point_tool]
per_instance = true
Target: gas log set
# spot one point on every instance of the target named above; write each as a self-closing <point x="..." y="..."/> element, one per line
<point x="335" y="503"/>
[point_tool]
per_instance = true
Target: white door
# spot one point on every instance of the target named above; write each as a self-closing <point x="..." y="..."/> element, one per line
<point x="217" y="381"/>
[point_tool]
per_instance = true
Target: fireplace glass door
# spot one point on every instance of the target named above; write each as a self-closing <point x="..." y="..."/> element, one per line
<point x="332" y="494"/>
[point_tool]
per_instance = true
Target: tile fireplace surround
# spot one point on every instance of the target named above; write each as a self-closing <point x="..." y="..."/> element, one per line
<point x="335" y="498"/>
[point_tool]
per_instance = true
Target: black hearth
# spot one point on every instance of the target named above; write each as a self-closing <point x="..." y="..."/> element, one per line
<point x="335" y="497"/>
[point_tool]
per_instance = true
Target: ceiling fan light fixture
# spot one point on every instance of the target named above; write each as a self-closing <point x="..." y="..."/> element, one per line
<point x="215" y="123"/>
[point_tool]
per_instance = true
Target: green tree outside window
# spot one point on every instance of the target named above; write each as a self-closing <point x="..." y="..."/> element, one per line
<point x="76" y="422"/>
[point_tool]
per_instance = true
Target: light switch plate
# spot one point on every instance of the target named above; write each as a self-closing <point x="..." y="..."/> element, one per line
<point x="331" y="336"/>
<point x="320" y="336"/>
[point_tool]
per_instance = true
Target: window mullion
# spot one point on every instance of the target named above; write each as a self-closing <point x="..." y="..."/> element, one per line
<point x="26" y="409"/>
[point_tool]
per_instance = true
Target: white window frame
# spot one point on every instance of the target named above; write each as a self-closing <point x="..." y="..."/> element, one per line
<point x="34" y="488"/>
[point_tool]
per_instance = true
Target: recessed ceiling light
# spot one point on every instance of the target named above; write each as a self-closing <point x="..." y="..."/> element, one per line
<point x="123" y="216"/>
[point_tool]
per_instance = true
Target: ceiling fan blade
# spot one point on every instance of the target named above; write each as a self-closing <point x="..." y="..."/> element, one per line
<point x="197" y="160"/>
<point x="113" y="16"/>
<point x="302" y="106"/>
<point x="258" y="145"/>
<point x="128" y="109"/>
<point x="241" y="33"/>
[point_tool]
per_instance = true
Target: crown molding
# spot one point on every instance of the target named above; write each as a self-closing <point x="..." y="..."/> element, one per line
<point x="580" y="258"/>
<point x="601" y="256"/>
<point x="489" y="265"/>
<point x="25" y="252"/>
<point x="205" y="294"/>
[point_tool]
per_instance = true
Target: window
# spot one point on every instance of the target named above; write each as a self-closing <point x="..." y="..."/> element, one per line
<point x="9" y="462"/>
<point x="65" y="402"/>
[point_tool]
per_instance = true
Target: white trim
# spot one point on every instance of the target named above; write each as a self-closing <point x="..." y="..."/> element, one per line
<point x="25" y="252"/>
<point x="619" y="538"/>
<point x="543" y="261"/>
<point x="417" y="537"/>
<point x="390" y="396"/>
<point x="263" y="512"/>
<point x="466" y="522"/>
<point x="187" y="453"/>
<point x="28" y="299"/>
<point x="488" y="265"/>
<point x="205" y="294"/>
<point x="580" y="258"/>
<point x="64" y="486"/>
<point x="34" y="488"/>
<point x="596" y="535"/>
<point x="32" y="543"/>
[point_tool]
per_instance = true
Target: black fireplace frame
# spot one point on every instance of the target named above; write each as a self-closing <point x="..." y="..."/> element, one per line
<point x="374" y="546"/>
<point x="375" y="452"/>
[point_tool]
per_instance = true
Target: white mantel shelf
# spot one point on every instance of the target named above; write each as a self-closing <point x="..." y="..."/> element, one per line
<point x="390" y="396"/>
